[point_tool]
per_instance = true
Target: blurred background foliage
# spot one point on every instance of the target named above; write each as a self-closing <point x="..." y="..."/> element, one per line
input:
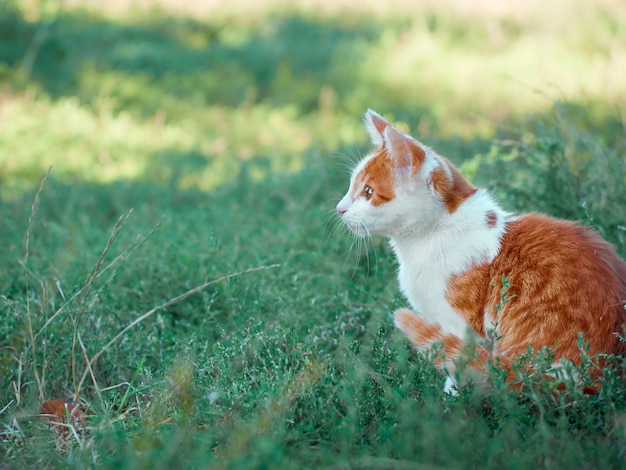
<point x="189" y="93"/>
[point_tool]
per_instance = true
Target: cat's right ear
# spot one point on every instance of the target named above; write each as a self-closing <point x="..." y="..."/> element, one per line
<point x="375" y="125"/>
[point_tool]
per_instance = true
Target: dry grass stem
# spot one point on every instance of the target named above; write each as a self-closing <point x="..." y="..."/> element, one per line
<point x="89" y="284"/>
<point x="170" y="302"/>
<point x="31" y="221"/>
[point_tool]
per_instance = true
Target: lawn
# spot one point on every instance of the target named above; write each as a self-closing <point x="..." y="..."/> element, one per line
<point x="170" y="255"/>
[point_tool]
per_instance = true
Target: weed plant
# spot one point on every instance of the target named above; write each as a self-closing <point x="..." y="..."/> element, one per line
<point x="181" y="275"/>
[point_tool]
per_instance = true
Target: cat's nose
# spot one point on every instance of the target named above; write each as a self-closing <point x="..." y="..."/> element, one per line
<point x="343" y="206"/>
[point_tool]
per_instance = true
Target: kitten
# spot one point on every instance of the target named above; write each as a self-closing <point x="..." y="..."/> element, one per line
<point x="454" y="245"/>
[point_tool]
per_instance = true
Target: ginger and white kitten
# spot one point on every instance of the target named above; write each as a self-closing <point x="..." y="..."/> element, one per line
<point x="454" y="244"/>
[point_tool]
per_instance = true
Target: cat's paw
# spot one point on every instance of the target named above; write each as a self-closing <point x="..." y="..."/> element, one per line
<point x="450" y="387"/>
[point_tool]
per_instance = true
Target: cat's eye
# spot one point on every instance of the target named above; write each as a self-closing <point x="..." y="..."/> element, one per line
<point x="369" y="192"/>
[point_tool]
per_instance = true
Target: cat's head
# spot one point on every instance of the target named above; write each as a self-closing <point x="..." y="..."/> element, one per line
<point x="400" y="186"/>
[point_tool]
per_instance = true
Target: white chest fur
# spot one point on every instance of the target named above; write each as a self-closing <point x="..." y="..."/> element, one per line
<point x="456" y="243"/>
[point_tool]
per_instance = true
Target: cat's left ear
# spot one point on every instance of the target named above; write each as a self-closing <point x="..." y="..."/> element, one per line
<point x="375" y="125"/>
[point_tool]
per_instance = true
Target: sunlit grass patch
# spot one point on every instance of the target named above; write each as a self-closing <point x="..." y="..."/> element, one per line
<point x="137" y="93"/>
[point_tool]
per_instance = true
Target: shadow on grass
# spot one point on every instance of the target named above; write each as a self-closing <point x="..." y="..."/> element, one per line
<point x="311" y="54"/>
<point x="171" y="66"/>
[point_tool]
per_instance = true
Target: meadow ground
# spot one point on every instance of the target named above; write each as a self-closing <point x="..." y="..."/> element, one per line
<point x="200" y="148"/>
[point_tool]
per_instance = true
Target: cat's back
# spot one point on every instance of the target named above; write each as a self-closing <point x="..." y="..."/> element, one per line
<point x="564" y="248"/>
<point x="565" y="276"/>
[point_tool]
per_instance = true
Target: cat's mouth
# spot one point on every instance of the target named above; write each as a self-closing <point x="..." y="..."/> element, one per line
<point x="356" y="228"/>
<point x="355" y="224"/>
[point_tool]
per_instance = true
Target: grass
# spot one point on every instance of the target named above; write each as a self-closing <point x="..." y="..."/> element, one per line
<point x="202" y="152"/>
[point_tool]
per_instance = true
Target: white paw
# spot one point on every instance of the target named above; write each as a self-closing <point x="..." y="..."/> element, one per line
<point x="450" y="388"/>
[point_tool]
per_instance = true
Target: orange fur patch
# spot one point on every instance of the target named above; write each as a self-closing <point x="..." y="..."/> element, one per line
<point x="467" y="294"/>
<point x="454" y="189"/>
<point x="418" y="155"/>
<point x="424" y="334"/>
<point x="564" y="279"/>
<point x="492" y="219"/>
<point x="377" y="174"/>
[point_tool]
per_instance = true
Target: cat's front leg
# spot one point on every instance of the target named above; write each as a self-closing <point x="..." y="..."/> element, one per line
<point x="454" y="357"/>
<point x="424" y="335"/>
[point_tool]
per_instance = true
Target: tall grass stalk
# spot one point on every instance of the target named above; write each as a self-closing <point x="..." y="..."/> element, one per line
<point x="40" y="378"/>
<point x="89" y="284"/>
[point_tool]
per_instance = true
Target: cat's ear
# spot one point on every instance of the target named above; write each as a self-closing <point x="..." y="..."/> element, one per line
<point x="375" y="125"/>
<point x="406" y="153"/>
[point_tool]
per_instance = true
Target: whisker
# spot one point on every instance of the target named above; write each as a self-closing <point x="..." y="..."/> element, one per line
<point x="372" y="243"/>
<point x="349" y="161"/>
<point x="332" y="222"/>
<point x="335" y="231"/>
<point x="355" y="266"/>
<point x="348" y="254"/>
